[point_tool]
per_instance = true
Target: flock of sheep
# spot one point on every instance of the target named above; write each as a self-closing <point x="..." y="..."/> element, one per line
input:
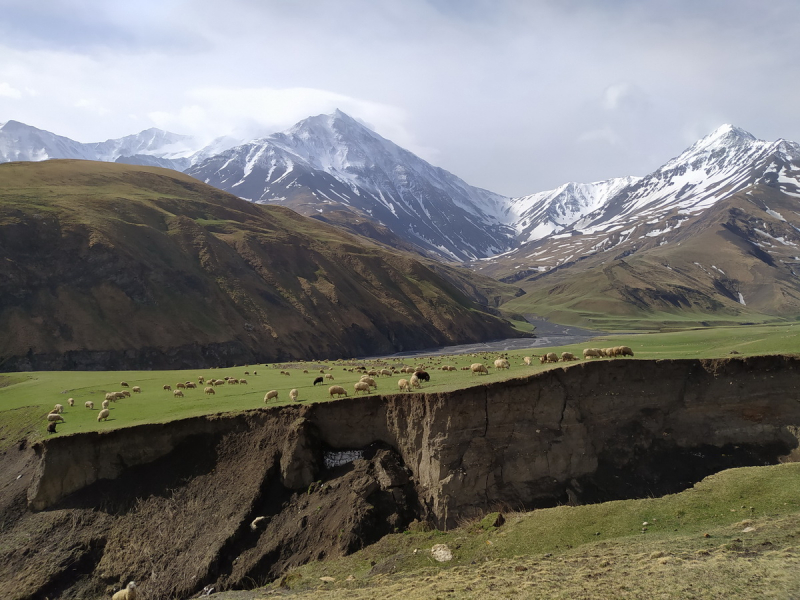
<point x="365" y="384"/>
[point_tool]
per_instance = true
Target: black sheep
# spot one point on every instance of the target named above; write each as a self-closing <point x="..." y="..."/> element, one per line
<point x="51" y="427"/>
<point x="422" y="375"/>
<point x="318" y="380"/>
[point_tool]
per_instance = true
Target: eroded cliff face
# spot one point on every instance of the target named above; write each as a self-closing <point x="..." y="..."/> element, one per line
<point x="588" y="432"/>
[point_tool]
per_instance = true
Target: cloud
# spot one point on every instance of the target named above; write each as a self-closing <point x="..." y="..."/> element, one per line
<point x="8" y="91"/>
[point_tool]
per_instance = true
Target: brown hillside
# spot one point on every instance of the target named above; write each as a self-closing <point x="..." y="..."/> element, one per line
<point x="118" y="266"/>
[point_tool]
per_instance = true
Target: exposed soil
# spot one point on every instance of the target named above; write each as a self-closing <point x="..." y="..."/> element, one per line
<point x="234" y="501"/>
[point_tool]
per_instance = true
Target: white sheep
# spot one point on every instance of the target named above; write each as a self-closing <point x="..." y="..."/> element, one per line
<point x="270" y="395"/>
<point x="369" y="380"/>
<point x="125" y="394"/>
<point x="58" y="409"/>
<point x="136" y="389"/>
<point x="403" y="384"/>
<point x="177" y="394"/>
<point x="328" y="376"/>
<point x="103" y="415"/>
<point x="567" y="356"/>
<point x="338" y="390"/>
<point x="180" y="386"/>
<point x="190" y="385"/>
<point x="71" y="401"/>
<point x="209" y="390"/>
<point x="387" y="372"/>
<point x="501" y="363"/>
<point x="123" y="384"/>
<point x="111" y="396"/>
<point x="293" y="393"/>
<point x="243" y="381"/>
<point x="168" y="388"/>
<point x="129" y="593"/>
<point x="54" y="417"/>
<point x="105" y="404"/>
<point x="591" y="352"/>
<point x="478" y="368"/>
<point x="527" y="360"/>
<point x="89" y="404"/>
<point x="361" y="386"/>
<point x="415" y="382"/>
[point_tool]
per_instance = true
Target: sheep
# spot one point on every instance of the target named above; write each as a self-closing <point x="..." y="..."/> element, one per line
<point x="372" y="373"/>
<point x="305" y="371"/>
<point x="209" y="390"/>
<point x="111" y="396"/>
<point x="58" y="409"/>
<point x="550" y="357"/>
<point x="318" y="380"/>
<point x="180" y="386"/>
<point x="177" y="394"/>
<point x="591" y="353"/>
<point x="125" y="394"/>
<point x="361" y="386"/>
<point x="71" y="401"/>
<point x="168" y="388"/>
<point x="121" y="395"/>
<point x="219" y="382"/>
<point x="414" y="381"/>
<point x="247" y="372"/>
<point x="190" y="385"/>
<point x="201" y="379"/>
<point x="501" y="363"/>
<point x="286" y="373"/>
<point x="328" y="376"/>
<point x="129" y="593"/>
<point x="105" y="404"/>
<point x="51" y="427"/>
<point x="270" y="395"/>
<point x="254" y="373"/>
<point x="625" y="351"/>
<point x="567" y="356"/>
<point x="54" y="417"/>
<point x="123" y="384"/>
<point x="422" y="375"/>
<point x="136" y="389"/>
<point x="243" y="381"/>
<point x="103" y="415"/>
<point x="89" y="404"/>
<point x="527" y="360"/>
<point x="232" y="381"/>
<point x="386" y="372"/>
<point x="478" y="368"/>
<point x="293" y="393"/>
<point x="338" y="390"/>
<point x="369" y="381"/>
<point x="404" y="385"/>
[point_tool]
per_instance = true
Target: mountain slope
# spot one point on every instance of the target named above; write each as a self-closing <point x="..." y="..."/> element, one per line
<point x="332" y="162"/>
<point x="112" y="266"/>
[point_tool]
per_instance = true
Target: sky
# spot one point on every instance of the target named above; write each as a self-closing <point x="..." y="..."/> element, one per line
<point x="515" y="96"/>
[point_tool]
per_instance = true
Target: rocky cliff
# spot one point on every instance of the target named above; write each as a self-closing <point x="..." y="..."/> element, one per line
<point x="172" y="504"/>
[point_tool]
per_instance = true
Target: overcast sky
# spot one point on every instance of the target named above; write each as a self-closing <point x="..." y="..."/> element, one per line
<point x="516" y="96"/>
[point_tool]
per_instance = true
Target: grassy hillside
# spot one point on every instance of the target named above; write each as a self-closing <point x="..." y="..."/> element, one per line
<point x="114" y="266"/>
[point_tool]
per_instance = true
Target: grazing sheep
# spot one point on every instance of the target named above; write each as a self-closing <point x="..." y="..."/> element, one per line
<point x="120" y="395"/>
<point x="286" y="373"/>
<point x="270" y="395"/>
<point x="328" y="376"/>
<point x="625" y="351"/>
<point x="527" y="360"/>
<point x="180" y="386"/>
<point x="51" y="427"/>
<point x="89" y="404"/>
<point x="54" y="417"/>
<point x="123" y="384"/>
<point x="209" y="390"/>
<point x="125" y="394"/>
<point x="318" y="380"/>
<point x="254" y="373"/>
<point x="168" y="388"/>
<point x="103" y="415"/>
<point x="105" y="404"/>
<point x="129" y="593"/>
<point x="58" y="409"/>
<point x="591" y="353"/>
<point x="219" y="382"/>
<point x="422" y="375"/>
<point x="414" y="381"/>
<point x="177" y="394"/>
<point x="338" y="390"/>
<point x="387" y="372"/>
<point x="247" y="372"/>
<point x="369" y="381"/>
<point x="372" y="373"/>
<point x="243" y="381"/>
<point x="136" y="389"/>
<point x="361" y="386"/>
<point x="550" y="357"/>
<point x="478" y="368"/>
<point x="232" y="381"/>
<point x="191" y="385"/>
<point x="202" y="379"/>
<point x="111" y="396"/>
<point x="501" y="363"/>
<point x="404" y="385"/>
<point x="293" y="393"/>
<point x="567" y="356"/>
<point x="305" y="371"/>
<point x="71" y="401"/>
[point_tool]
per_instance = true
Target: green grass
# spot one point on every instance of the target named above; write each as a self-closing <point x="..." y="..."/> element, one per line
<point x="40" y="391"/>
<point x="693" y="546"/>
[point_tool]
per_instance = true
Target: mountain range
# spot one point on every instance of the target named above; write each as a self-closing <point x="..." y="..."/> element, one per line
<point x="336" y="169"/>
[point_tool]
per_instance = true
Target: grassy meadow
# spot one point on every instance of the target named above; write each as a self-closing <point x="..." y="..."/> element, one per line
<point x="26" y="398"/>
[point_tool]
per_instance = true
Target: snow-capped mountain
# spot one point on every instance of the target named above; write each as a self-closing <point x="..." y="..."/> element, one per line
<point x="21" y="142"/>
<point x="332" y="162"/>
<point x="541" y="214"/>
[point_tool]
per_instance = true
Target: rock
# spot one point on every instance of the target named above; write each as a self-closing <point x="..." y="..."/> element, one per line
<point x="299" y="459"/>
<point x="441" y="553"/>
<point x="748" y="529"/>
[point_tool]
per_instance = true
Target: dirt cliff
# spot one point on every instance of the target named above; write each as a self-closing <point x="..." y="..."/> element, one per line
<point x="174" y="506"/>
